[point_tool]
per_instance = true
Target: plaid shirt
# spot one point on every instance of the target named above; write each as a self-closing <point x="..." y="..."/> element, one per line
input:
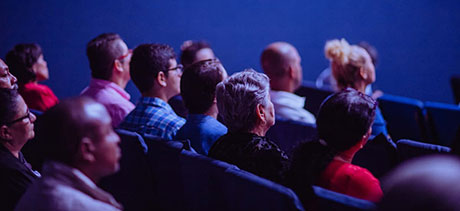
<point x="153" y="116"/>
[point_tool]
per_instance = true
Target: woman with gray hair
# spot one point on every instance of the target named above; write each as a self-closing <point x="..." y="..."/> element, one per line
<point x="245" y="108"/>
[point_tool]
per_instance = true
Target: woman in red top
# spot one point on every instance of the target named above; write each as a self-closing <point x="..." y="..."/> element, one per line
<point x="26" y="62"/>
<point x="344" y="125"/>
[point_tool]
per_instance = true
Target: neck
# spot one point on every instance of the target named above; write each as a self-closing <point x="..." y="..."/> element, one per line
<point x="360" y="86"/>
<point x="212" y="112"/>
<point x="119" y="81"/>
<point x="259" y="130"/>
<point x="282" y="84"/>
<point x="156" y="93"/>
<point x="12" y="148"/>
<point x="347" y="156"/>
<point x="88" y="173"/>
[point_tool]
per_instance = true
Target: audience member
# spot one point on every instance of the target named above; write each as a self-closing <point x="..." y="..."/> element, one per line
<point x="155" y="72"/>
<point x="195" y="51"/>
<point x="26" y="62"/>
<point x="109" y="59"/>
<point x="191" y="52"/>
<point x="281" y="62"/>
<point x="80" y="147"/>
<point x="326" y="80"/>
<point x="427" y="183"/>
<point x="7" y="80"/>
<point x="344" y="126"/>
<point x="16" y="128"/>
<point x="352" y="67"/>
<point x="198" y="87"/>
<point x="244" y="105"/>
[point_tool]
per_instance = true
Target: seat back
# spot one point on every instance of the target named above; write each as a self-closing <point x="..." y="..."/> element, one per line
<point x="132" y="185"/>
<point x="379" y="156"/>
<point x="329" y="200"/>
<point x="408" y="149"/>
<point x="404" y="117"/>
<point x="288" y="133"/>
<point x="455" y="84"/>
<point x="313" y="96"/>
<point x="443" y="120"/>
<point x="225" y="187"/>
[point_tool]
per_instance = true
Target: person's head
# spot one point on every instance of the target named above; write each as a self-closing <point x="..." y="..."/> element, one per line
<point x="198" y="85"/>
<point x="109" y="58"/>
<point x="344" y="125"/>
<point x="345" y="118"/>
<point x="16" y="122"/>
<point x="7" y="80"/>
<point x="78" y="132"/>
<point x="281" y="62"/>
<point x="154" y="69"/>
<point x="26" y="62"/>
<point x="425" y="183"/>
<point x="351" y="65"/>
<point x="244" y="102"/>
<point x="192" y="52"/>
<point x="371" y="50"/>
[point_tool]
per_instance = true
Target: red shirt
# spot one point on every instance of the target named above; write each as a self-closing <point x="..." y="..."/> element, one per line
<point x="37" y="96"/>
<point x="351" y="180"/>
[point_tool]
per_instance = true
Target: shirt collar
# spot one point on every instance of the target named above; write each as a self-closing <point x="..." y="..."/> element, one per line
<point x="283" y="96"/>
<point x="155" y="101"/>
<point x="99" y="83"/>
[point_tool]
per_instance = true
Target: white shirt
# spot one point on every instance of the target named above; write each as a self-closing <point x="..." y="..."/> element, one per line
<point x="290" y="106"/>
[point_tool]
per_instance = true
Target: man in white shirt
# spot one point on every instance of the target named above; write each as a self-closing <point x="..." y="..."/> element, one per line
<point x="281" y="62"/>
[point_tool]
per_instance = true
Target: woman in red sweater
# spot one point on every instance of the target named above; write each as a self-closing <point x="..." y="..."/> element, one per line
<point x="344" y="126"/>
<point x="26" y="62"/>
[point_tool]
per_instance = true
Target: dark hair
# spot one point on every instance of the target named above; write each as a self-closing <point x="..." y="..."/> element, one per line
<point x="20" y="60"/>
<point x="198" y="85"/>
<point x="8" y="104"/>
<point x="343" y="119"/>
<point x="188" y="52"/>
<point x="62" y="128"/>
<point x="147" y="61"/>
<point x="101" y="52"/>
<point x="371" y="50"/>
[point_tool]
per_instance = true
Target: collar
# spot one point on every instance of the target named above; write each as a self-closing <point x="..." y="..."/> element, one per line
<point x="287" y="98"/>
<point x="101" y="84"/>
<point x="155" y="101"/>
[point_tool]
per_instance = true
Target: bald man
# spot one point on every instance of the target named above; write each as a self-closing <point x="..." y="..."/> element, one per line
<point x="281" y="62"/>
<point x="80" y="148"/>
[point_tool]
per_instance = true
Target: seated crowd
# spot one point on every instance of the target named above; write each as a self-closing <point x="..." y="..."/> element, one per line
<point x="227" y="118"/>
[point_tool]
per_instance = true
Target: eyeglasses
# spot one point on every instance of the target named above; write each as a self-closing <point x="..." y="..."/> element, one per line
<point x="130" y="51"/>
<point x="27" y="116"/>
<point x="179" y="68"/>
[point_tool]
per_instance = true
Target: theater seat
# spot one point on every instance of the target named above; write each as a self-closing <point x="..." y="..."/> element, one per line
<point x="443" y="120"/>
<point x="313" y="96"/>
<point x="330" y="200"/>
<point x="132" y="185"/>
<point x="408" y="149"/>
<point x="404" y="117"/>
<point x="288" y="133"/>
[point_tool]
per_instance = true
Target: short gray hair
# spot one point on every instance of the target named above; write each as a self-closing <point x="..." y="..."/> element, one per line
<point x="238" y="97"/>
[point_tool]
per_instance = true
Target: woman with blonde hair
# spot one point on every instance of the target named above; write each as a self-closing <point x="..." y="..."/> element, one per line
<point x="352" y="67"/>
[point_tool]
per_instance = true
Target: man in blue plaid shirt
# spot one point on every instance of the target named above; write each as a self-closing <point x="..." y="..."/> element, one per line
<point x="155" y="72"/>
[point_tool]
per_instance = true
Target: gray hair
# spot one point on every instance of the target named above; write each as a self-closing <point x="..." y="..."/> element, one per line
<point x="238" y="97"/>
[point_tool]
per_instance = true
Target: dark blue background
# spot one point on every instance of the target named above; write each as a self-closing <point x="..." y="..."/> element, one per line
<point x="418" y="40"/>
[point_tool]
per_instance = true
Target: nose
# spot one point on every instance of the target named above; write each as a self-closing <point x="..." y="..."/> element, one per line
<point x="32" y="117"/>
<point x="13" y="79"/>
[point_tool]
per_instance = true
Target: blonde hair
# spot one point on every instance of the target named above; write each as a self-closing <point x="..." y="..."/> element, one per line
<point x="346" y="60"/>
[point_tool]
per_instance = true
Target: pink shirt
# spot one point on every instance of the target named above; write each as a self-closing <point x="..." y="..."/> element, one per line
<point x="112" y="96"/>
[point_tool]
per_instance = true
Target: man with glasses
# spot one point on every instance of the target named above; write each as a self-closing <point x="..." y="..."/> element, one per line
<point x="109" y="59"/>
<point x="155" y="72"/>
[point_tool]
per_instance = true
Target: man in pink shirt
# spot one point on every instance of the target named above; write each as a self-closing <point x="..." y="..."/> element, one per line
<point x="109" y="59"/>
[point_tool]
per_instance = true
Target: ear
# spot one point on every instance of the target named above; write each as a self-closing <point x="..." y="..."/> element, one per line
<point x="117" y="66"/>
<point x="291" y="72"/>
<point x="87" y="150"/>
<point x="363" y="73"/>
<point x="214" y="101"/>
<point x="366" y="137"/>
<point x="5" y="133"/>
<point x="260" y="112"/>
<point x="161" y="79"/>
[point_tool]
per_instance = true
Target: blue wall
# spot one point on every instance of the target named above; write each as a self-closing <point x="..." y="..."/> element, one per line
<point x="418" y="40"/>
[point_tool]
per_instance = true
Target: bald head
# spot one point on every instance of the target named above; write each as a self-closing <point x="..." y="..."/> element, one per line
<point x="63" y="127"/>
<point x="281" y="62"/>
